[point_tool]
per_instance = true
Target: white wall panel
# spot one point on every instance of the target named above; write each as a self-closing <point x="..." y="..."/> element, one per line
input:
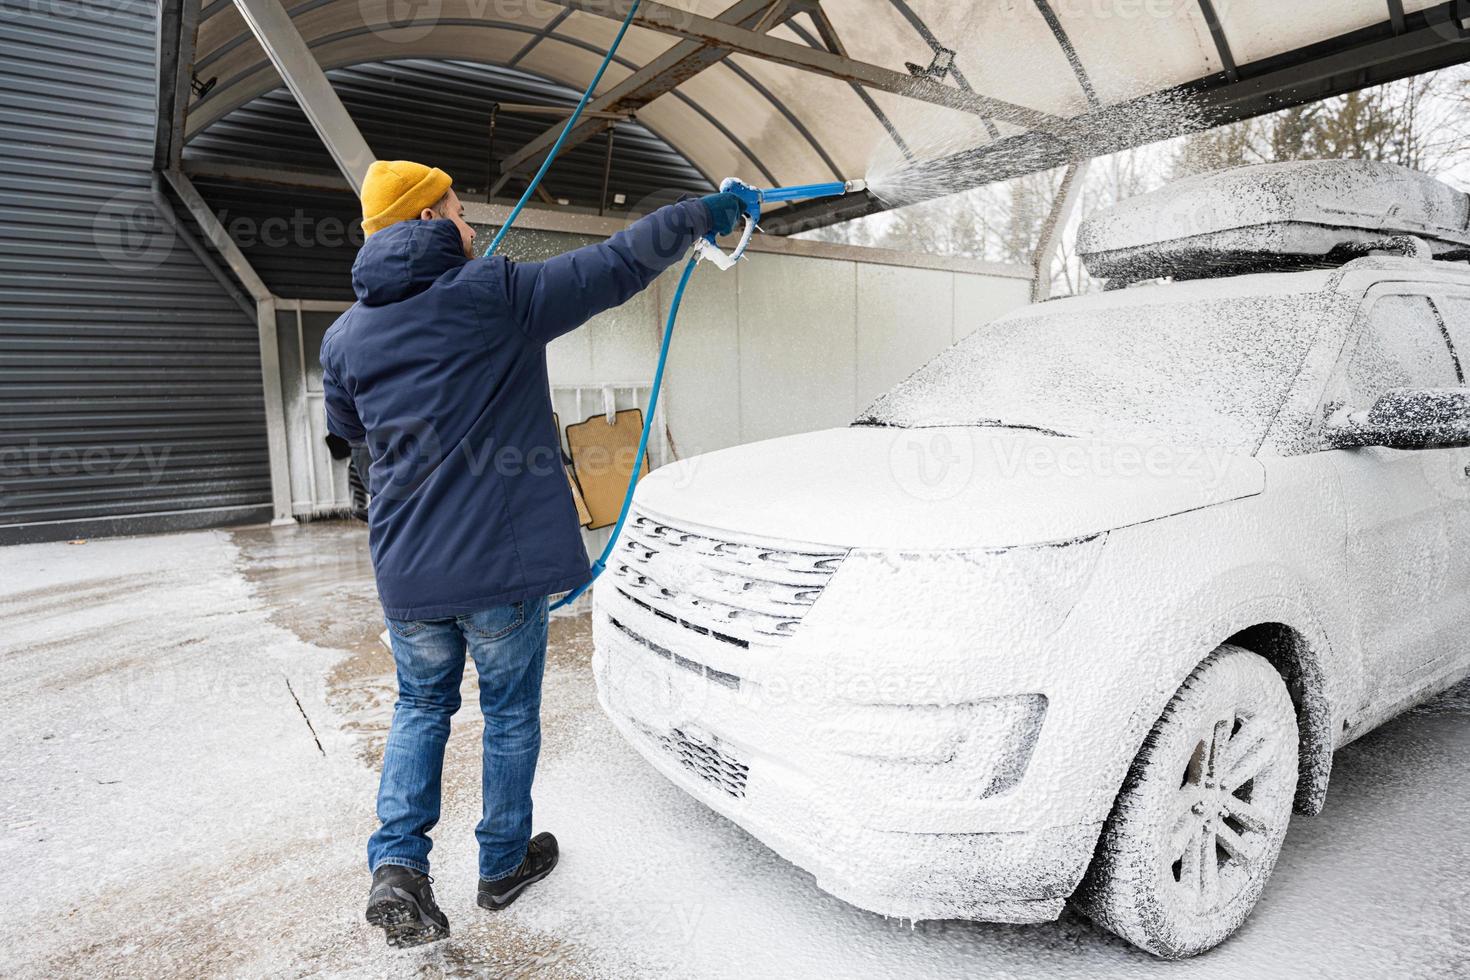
<point x="904" y="317"/>
<point x="788" y="343"/>
<point x="702" y="392"/>
<point x="980" y="299"/>
<point x="624" y="341"/>
<point x="569" y="358"/>
<point x="798" y="342"/>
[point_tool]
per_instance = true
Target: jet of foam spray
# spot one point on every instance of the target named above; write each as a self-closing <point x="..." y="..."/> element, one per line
<point x="949" y="151"/>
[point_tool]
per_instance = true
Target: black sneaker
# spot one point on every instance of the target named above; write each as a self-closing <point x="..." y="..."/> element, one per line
<point x="541" y="856"/>
<point x="401" y="903"/>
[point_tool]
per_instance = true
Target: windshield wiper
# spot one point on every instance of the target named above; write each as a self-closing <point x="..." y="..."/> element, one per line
<point x="875" y="423"/>
<point x="998" y="424"/>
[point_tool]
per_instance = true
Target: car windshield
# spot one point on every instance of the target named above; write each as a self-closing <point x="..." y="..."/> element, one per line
<point x="1211" y="373"/>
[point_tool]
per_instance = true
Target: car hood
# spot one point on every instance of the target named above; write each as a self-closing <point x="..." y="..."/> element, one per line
<point x="939" y="488"/>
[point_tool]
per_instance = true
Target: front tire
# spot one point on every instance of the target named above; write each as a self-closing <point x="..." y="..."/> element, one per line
<point x="1198" y="825"/>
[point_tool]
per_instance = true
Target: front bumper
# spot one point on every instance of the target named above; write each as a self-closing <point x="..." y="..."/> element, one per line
<point x="706" y="715"/>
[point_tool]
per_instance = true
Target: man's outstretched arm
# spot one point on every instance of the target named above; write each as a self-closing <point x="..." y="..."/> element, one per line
<point x="552" y="297"/>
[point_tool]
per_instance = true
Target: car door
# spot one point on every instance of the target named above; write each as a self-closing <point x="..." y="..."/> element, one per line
<point x="1454" y="307"/>
<point x="1409" y="596"/>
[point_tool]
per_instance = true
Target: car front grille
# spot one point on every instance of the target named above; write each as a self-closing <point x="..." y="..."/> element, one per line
<point x="733" y="592"/>
<point x="703" y="670"/>
<point x="708" y="761"/>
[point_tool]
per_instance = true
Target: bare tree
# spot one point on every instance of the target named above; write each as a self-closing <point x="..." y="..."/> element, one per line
<point x="1219" y="149"/>
<point x="1419" y="122"/>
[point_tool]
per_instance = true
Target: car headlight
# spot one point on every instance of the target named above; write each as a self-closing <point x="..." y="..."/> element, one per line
<point x="940" y="753"/>
<point x="923" y="628"/>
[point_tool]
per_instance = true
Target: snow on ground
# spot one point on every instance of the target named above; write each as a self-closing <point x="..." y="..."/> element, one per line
<point x="169" y="811"/>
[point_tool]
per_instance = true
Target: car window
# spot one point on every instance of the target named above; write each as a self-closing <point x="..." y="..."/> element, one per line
<point x="1402" y="346"/>
<point x="1456" y="311"/>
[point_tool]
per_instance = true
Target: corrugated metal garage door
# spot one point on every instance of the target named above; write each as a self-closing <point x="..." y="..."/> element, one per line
<point x="130" y="391"/>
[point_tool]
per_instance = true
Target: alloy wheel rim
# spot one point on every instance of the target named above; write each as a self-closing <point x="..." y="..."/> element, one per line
<point x="1221" y="828"/>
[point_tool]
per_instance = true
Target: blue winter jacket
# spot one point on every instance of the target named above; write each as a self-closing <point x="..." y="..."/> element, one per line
<point x="440" y="367"/>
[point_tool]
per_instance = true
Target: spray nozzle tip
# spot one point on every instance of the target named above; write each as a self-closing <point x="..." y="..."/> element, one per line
<point x="855" y="186"/>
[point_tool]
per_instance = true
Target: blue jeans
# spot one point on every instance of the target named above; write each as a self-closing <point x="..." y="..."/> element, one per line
<point x="508" y="644"/>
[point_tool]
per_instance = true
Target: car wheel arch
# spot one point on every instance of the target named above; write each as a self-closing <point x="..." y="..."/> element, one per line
<point x="1297" y="654"/>
<point x="1298" y="658"/>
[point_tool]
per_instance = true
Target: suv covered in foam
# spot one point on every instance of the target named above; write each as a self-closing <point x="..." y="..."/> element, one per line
<point x="1082" y="609"/>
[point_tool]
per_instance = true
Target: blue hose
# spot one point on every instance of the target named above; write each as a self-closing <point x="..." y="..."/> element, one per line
<point x="663" y="354"/>
<point x="600" y="564"/>
<point x="571" y="121"/>
<point x="777" y="194"/>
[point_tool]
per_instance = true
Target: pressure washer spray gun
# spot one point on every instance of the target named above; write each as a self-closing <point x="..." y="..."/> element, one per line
<point x="754" y="197"/>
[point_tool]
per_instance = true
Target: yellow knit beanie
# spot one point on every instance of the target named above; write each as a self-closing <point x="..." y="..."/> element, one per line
<point x="397" y="190"/>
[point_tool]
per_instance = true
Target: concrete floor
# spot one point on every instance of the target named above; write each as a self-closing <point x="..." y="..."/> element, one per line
<point x="193" y="724"/>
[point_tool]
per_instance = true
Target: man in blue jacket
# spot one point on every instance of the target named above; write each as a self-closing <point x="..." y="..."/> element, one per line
<point x="440" y="368"/>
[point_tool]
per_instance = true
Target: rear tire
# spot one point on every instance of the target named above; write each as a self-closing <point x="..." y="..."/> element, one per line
<point x="1198" y="825"/>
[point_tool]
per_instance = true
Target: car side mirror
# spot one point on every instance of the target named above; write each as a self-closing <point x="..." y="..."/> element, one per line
<point x="1406" y="418"/>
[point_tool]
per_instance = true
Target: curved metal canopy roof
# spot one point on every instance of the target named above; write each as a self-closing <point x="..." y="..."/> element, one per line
<point x="792" y="91"/>
<point x="404" y="109"/>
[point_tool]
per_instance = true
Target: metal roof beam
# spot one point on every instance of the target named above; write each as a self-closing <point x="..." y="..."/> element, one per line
<point x="668" y="20"/>
<point x="917" y="23"/>
<point x="266" y="335"/>
<point x="660" y="76"/>
<point x="1069" y="51"/>
<point x="177" y="23"/>
<point x="1396" y="16"/>
<point x="246" y="85"/>
<point x="1436" y="41"/>
<point x="283" y="44"/>
<point x="1222" y="43"/>
<point x="279" y="177"/>
<point x="1069" y="195"/>
<point x="539" y="36"/>
<point x="215" y="232"/>
<point x="857" y="89"/>
<point x="826" y="30"/>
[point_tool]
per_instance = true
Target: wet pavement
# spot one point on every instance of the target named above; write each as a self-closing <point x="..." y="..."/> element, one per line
<point x="195" y="721"/>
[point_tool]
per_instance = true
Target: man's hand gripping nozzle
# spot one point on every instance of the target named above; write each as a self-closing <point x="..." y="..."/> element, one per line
<point x="751" y="200"/>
